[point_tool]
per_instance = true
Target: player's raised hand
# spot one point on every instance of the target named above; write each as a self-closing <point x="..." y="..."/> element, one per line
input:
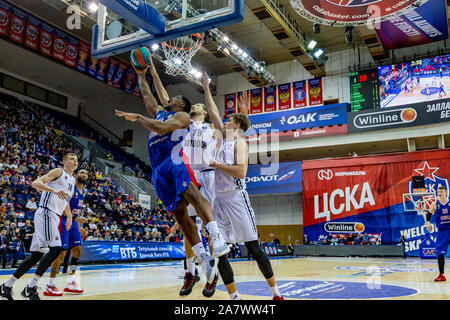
<point x="428" y="225"/>
<point x="205" y="81"/>
<point x="140" y="72"/>
<point x="244" y="102"/>
<point x="61" y="194"/>
<point x="128" y="116"/>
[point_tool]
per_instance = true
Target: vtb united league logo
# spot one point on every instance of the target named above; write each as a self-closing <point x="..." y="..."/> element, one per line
<point x="432" y="180"/>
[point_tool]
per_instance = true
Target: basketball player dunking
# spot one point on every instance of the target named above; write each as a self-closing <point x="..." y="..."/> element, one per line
<point x="58" y="187"/>
<point x="441" y="212"/>
<point x="174" y="181"/>
<point x="70" y="239"/>
<point x="234" y="213"/>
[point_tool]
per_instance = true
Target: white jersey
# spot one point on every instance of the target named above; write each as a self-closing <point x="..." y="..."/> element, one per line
<point x="199" y="146"/>
<point x="225" y="182"/>
<point x="52" y="201"/>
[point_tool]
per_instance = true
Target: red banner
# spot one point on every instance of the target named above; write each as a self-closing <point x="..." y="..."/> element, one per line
<point x="284" y="96"/>
<point x="5" y="18"/>
<point x="120" y="75"/>
<point x="17" y="30"/>
<point x="71" y="53"/>
<point x="32" y="35"/>
<point x="256" y="100"/>
<point x="113" y="65"/>
<point x="84" y="52"/>
<point x="230" y="104"/>
<point x="299" y="94"/>
<point x="46" y="42"/>
<point x="315" y="91"/>
<point x="102" y="68"/>
<point x="59" y="47"/>
<point x="270" y="99"/>
<point x="137" y="90"/>
<point x="130" y="81"/>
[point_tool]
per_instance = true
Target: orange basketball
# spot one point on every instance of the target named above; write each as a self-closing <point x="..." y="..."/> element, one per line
<point x="359" y="227"/>
<point x="409" y="114"/>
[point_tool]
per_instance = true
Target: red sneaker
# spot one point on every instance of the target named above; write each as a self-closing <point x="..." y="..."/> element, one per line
<point x="73" y="288"/>
<point x="441" y="277"/>
<point x="52" y="291"/>
<point x="278" y="298"/>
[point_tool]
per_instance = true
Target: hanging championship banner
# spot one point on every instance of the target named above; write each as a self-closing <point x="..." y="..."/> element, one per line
<point x="46" y="43"/>
<point x="284" y="96"/>
<point x="137" y="90"/>
<point x="5" y="18"/>
<point x="102" y="66"/>
<point x="113" y="65"/>
<point x="32" y="33"/>
<point x="130" y="80"/>
<point x="230" y="104"/>
<point x="270" y="99"/>
<point x="256" y="100"/>
<point x="299" y="94"/>
<point x="71" y="52"/>
<point x="93" y="64"/>
<point x="120" y="75"/>
<point x="83" y="56"/>
<point x="17" y="30"/>
<point x="59" y="45"/>
<point x="315" y="91"/>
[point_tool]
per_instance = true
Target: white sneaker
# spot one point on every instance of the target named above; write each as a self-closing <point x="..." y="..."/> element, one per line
<point x="209" y="266"/>
<point x="219" y="246"/>
<point x="73" y="288"/>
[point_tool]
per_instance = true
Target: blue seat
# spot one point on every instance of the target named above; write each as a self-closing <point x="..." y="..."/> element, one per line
<point x="29" y="215"/>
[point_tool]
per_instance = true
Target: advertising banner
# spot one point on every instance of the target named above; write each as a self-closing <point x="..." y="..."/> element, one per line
<point x="145" y="200"/>
<point x="123" y="251"/>
<point x="299" y="94"/>
<point x="283" y="177"/>
<point x="365" y="195"/>
<point x="270" y="99"/>
<point x="256" y="101"/>
<point x="230" y="104"/>
<point x="297" y="134"/>
<point x="299" y="119"/>
<point x="399" y="117"/>
<point x="284" y="96"/>
<point x="425" y="24"/>
<point x="315" y="91"/>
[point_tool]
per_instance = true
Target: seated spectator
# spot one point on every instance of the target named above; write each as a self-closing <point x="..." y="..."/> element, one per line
<point x="334" y="240"/>
<point x="350" y="239"/>
<point x="138" y="237"/>
<point x="118" y="236"/>
<point x="342" y="239"/>
<point x="7" y="246"/>
<point x="26" y="235"/>
<point x="357" y="239"/>
<point x="128" y="235"/>
<point x="108" y="236"/>
<point x="31" y="204"/>
<point x="365" y="239"/>
<point x="95" y="236"/>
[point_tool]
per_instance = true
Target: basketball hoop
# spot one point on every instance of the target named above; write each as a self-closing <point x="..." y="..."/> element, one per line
<point x="179" y="53"/>
<point x="418" y="201"/>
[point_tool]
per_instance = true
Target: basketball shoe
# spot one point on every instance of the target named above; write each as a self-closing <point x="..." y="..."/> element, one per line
<point x="441" y="277"/>
<point x="73" y="288"/>
<point x="219" y="246"/>
<point x="209" y="266"/>
<point x="30" y="293"/>
<point x="278" y="298"/>
<point x="6" y="292"/>
<point x="210" y="287"/>
<point x="189" y="282"/>
<point x="52" y="291"/>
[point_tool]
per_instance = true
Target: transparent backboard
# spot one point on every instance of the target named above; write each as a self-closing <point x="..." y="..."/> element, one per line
<point x="418" y="202"/>
<point x="123" y="25"/>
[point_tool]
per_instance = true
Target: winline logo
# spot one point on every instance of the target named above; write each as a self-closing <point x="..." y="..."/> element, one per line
<point x="385" y="118"/>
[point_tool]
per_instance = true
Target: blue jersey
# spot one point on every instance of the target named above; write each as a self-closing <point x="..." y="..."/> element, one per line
<point x="76" y="202"/>
<point x="442" y="215"/>
<point x="160" y="146"/>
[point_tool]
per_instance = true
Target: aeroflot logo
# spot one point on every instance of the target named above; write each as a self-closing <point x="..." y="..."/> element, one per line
<point x="385" y="118"/>
<point x="268" y="178"/>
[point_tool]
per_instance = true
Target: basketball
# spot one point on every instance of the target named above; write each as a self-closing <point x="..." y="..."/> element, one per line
<point x="140" y="57"/>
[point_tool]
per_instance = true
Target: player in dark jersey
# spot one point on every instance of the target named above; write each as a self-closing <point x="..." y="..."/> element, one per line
<point x="441" y="212"/>
<point x="70" y="239"/>
<point x="174" y="180"/>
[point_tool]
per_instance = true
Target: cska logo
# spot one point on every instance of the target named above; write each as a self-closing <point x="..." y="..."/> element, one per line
<point x="432" y="180"/>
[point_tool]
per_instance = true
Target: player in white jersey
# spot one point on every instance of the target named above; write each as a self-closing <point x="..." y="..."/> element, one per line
<point x="233" y="210"/>
<point x="57" y="188"/>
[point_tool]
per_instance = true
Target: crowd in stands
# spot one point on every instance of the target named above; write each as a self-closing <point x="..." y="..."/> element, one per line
<point x="30" y="146"/>
<point x="350" y="239"/>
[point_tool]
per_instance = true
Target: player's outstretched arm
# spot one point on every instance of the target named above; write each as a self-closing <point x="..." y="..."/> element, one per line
<point x="40" y="183"/>
<point x="239" y="169"/>
<point x="151" y="105"/>
<point x="180" y="120"/>
<point x="211" y="105"/>
<point x="160" y="90"/>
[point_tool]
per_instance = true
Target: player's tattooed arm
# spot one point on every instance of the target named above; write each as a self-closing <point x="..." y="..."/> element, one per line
<point x="239" y="169"/>
<point x="40" y="183"/>
<point x="211" y="106"/>
<point x="180" y="120"/>
<point x="160" y="90"/>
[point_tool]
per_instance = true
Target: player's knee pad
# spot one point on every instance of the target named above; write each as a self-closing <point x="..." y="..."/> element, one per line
<point x="225" y="270"/>
<point x="261" y="258"/>
<point x="74" y="261"/>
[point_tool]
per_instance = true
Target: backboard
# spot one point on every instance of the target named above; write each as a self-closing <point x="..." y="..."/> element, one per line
<point x="419" y="202"/>
<point x="123" y="25"/>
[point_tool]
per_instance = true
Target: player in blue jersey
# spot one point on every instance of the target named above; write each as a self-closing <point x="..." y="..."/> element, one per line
<point x="441" y="212"/>
<point x="173" y="178"/>
<point x="70" y="239"/>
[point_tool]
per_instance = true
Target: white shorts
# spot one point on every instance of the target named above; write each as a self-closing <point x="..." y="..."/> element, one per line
<point x="235" y="216"/>
<point x="207" y="189"/>
<point x="47" y="232"/>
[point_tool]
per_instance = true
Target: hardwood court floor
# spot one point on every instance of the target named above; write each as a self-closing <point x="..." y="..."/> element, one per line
<point x="298" y="278"/>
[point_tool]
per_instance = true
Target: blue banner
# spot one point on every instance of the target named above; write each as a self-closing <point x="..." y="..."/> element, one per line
<point x="121" y="251"/>
<point x="320" y="116"/>
<point x="281" y="177"/>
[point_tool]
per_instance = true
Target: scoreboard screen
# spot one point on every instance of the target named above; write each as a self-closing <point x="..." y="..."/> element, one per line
<point x="364" y="90"/>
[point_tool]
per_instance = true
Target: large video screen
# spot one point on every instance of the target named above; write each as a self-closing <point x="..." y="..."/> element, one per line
<point x="415" y="81"/>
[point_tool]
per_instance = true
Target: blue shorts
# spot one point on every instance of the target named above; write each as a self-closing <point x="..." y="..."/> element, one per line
<point x="71" y="238"/>
<point x="171" y="179"/>
<point x="442" y="241"/>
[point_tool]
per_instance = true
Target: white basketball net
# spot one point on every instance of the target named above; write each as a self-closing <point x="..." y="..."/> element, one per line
<point x="179" y="53"/>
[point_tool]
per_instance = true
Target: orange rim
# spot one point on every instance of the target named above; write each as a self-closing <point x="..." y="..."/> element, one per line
<point x="195" y="35"/>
